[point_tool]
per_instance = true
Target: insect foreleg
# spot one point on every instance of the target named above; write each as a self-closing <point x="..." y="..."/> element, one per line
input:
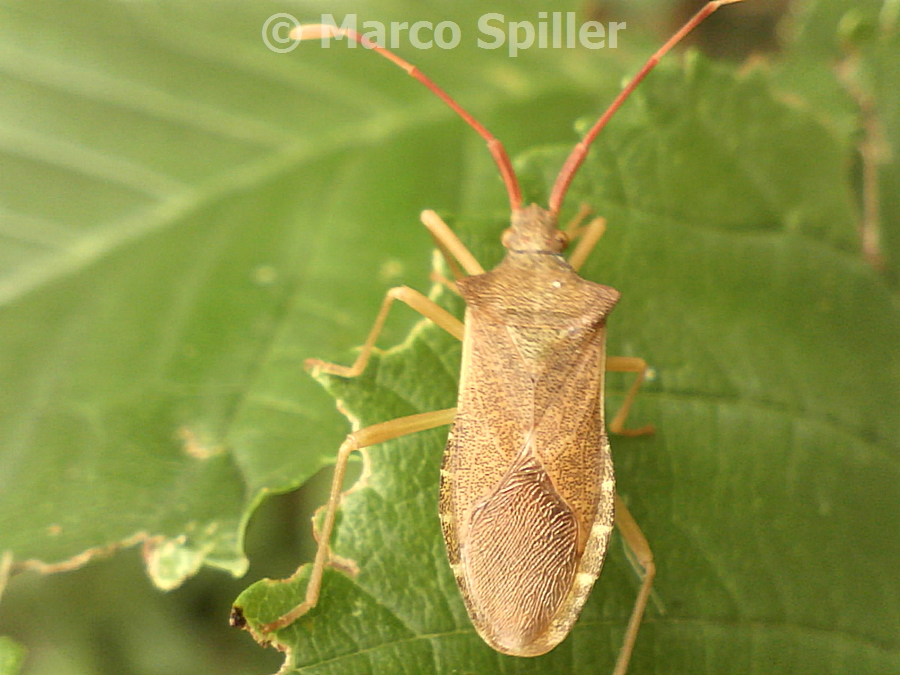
<point x="450" y="245"/>
<point x="590" y="234"/>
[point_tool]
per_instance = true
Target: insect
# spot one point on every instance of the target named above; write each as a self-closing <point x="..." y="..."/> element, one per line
<point x="527" y="493"/>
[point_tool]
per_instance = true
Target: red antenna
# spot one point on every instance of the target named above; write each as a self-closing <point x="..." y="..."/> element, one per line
<point x="580" y="151"/>
<point x="575" y="159"/>
<point x="314" y="31"/>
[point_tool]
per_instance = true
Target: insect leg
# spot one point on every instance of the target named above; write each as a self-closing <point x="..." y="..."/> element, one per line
<point x="450" y="245"/>
<point x="377" y="433"/>
<point x="628" y="364"/>
<point x="455" y="269"/>
<point x="424" y="306"/>
<point x="640" y="549"/>
<point x="590" y="234"/>
<point x="573" y="228"/>
<point x="438" y="278"/>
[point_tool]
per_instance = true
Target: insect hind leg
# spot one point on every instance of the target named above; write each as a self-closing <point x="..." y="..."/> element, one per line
<point x="377" y="433"/>
<point x="637" y="544"/>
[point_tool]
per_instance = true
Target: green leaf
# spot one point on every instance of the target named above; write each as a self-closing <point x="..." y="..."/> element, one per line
<point x="880" y="74"/>
<point x="12" y="655"/>
<point x="841" y="61"/>
<point x="769" y="493"/>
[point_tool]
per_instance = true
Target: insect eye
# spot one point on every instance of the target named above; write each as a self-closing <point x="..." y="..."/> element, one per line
<point x="562" y="240"/>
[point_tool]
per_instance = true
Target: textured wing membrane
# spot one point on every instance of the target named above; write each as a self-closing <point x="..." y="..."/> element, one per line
<point x="521" y="555"/>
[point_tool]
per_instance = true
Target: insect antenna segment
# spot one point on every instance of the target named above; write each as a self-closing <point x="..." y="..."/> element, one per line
<point x="318" y="31"/>
<point x="498" y="152"/>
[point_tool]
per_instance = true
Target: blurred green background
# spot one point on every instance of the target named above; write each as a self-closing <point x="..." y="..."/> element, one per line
<point x="186" y="215"/>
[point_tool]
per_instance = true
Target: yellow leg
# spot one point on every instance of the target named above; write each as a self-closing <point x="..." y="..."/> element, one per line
<point x="628" y="364"/>
<point x="590" y="234"/>
<point x="438" y="278"/>
<point x="425" y="307"/>
<point x="641" y="552"/>
<point x="377" y="433"/>
<point x="573" y="228"/>
<point x="454" y="251"/>
<point x="450" y="245"/>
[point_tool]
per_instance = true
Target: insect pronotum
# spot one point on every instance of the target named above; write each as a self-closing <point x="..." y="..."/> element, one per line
<point x="527" y="496"/>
